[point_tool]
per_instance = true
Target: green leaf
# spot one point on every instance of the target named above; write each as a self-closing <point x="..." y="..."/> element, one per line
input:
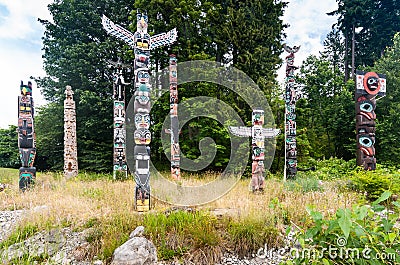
<point x="362" y="213"/>
<point x="325" y="261"/>
<point x="392" y="237"/>
<point x="397" y="204"/>
<point x="383" y="197"/>
<point x="345" y="222"/>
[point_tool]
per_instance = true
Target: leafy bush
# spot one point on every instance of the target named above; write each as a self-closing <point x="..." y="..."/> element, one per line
<point x="374" y="183"/>
<point x="363" y="235"/>
<point x="328" y="169"/>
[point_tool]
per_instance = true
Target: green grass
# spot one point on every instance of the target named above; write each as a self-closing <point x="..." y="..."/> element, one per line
<point x="9" y="175"/>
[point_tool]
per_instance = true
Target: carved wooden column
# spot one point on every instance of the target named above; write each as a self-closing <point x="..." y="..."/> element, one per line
<point x="70" y="145"/>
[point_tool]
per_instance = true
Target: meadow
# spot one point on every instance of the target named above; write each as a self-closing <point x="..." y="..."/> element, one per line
<point x="240" y="221"/>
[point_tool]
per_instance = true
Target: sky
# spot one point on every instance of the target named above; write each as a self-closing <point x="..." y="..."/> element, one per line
<point x="21" y="45"/>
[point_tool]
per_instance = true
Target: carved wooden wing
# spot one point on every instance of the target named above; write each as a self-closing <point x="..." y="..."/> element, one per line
<point x="240" y="131"/>
<point x="271" y="133"/>
<point x="163" y="39"/>
<point x="118" y="31"/>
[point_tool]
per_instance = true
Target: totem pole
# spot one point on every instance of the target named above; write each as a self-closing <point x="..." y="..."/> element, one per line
<point x="142" y="44"/>
<point x="257" y="134"/>
<point x="368" y="86"/>
<point x="119" y="121"/>
<point x="26" y="137"/>
<point x="174" y="131"/>
<point x="70" y="146"/>
<point x="291" y="96"/>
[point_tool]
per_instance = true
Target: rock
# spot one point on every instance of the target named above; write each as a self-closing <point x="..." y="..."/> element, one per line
<point x="135" y="251"/>
<point x="139" y="231"/>
<point x="8" y="220"/>
<point x="63" y="246"/>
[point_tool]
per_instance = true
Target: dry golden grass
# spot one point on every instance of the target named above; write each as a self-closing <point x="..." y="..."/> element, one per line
<point x="75" y="201"/>
<point x="108" y="206"/>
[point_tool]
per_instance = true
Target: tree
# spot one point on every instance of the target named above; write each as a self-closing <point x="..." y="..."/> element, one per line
<point x="388" y="108"/>
<point x="378" y="21"/>
<point x="76" y="50"/>
<point x="9" y="156"/>
<point x="327" y="110"/>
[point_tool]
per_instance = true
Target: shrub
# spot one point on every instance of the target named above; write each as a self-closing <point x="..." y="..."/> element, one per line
<point x="363" y="235"/>
<point x="329" y="169"/>
<point x="374" y="183"/>
<point x="304" y="184"/>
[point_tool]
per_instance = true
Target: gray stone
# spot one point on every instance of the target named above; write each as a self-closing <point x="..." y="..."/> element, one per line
<point x="135" y="251"/>
<point x="139" y="231"/>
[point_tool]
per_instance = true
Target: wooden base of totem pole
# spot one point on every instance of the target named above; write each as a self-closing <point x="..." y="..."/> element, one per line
<point x="27" y="177"/>
<point x="142" y="200"/>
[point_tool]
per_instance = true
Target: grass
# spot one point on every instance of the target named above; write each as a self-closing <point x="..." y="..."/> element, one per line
<point x="200" y="236"/>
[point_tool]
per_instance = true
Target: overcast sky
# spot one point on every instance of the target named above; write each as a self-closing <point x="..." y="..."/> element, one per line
<point x="21" y="33"/>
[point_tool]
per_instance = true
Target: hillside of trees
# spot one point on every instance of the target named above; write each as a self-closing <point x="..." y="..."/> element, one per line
<point x="245" y="34"/>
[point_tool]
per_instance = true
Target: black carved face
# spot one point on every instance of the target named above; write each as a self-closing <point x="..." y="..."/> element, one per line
<point x="372" y="83"/>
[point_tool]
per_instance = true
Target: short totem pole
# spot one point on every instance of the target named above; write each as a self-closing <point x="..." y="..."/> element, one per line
<point x="119" y="83"/>
<point x="291" y="96"/>
<point x="142" y="44"/>
<point x="70" y="145"/>
<point x="174" y="131"/>
<point x="368" y="87"/>
<point x="26" y="137"/>
<point x="257" y="134"/>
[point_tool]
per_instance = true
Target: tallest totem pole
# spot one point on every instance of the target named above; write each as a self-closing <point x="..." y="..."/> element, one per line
<point x="290" y="116"/>
<point x="142" y="43"/>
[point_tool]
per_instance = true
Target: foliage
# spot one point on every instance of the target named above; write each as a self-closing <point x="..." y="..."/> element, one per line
<point x="179" y="231"/>
<point x="362" y="235"/>
<point x="76" y="50"/>
<point x="388" y="108"/>
<point x="329" y="169"/>
<point x="373" y="183"/>
<point x="327" y="112"/>
<point x="20" y="233"/>
<point x="50" y="143"/>
<point x="304" y="184"/>
<point x="378" y="21"/>
<point x="9" y="156"/>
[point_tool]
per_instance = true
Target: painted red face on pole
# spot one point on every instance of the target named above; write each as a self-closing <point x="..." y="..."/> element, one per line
<point x="371" y="83"/>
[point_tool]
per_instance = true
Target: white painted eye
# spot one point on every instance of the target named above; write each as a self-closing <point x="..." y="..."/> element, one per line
<point x="366" y="141"/>
<point x="366" y="106"/>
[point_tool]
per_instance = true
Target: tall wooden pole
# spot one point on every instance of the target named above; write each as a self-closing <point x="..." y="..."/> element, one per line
<point x="70" y="143"/>
<point x="290" y="115"/>
<point x="26" y="137"/>
<point x="142" y="43"/>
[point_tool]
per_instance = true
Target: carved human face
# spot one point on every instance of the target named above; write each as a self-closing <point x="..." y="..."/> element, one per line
<point x="372" y="83"/>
